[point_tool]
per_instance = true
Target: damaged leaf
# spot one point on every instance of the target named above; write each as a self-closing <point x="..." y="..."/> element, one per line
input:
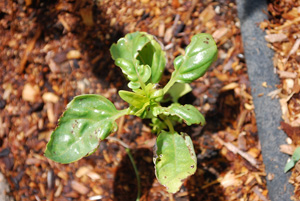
<point x="87" y="119"/>
<point x="175" y="159"/>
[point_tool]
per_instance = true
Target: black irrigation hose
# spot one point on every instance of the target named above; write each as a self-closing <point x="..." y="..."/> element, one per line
<point x="268" y="113"/>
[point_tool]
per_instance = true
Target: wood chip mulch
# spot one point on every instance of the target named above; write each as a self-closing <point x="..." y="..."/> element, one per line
<point x="283" y="35"/>
<point x="53" y="50"/>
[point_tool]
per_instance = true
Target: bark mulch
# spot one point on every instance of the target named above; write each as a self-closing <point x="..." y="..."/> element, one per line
<point x="52" y="51"/>
<point x="283" y="35"/>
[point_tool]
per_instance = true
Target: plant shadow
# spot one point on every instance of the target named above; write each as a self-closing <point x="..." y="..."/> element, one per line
<point x="204" y="184"/>
<point x="125" y="182"/>
<point x="64" y="22"/>
<point x="224" y="113"/>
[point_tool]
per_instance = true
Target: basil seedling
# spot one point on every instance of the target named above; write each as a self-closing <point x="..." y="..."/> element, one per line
<point x="89" y="119"/>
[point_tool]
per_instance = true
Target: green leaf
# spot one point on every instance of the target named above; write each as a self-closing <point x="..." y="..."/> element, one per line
<point x="294" y="159"/>
<point x="134" y="99"/>
<point x="157" y="125"/>
<point x="125" y="54"/>
<point x="199" y="55"/>
<point x="140" y="112"/>
<point x="188" y="113"/>
<point x="174" y="159"/>
<point x="296" y="154"/>
<point x="289" y="165"/>
<point x="140" y="57"/>
<point x="153" y="55"/>
<point x="178" y="90"/>
<point x="87" y="119"/>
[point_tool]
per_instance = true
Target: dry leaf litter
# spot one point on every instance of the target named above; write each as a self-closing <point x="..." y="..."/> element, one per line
<point x="283" y="35"/>
<point x="54" y="50"/>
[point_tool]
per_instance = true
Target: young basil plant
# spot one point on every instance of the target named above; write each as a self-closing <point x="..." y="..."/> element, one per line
<point x="89" y="119"/>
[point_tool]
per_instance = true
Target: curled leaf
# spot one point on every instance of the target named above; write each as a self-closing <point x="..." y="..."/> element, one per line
<point x="153" y="55"/>
<point x="125" y="54"/>
<point x="140" y="57"/>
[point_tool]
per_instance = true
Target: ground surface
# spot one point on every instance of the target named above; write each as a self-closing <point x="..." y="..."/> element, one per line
<point x="283" y="35"/>
<point x="54" y="50"/>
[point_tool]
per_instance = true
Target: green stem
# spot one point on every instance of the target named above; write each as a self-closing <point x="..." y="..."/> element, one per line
<point x="136" y="174"/>
<point x="132" y="162"/>
<point x="169" y="124"/>
<point x="169" y="85"/>
<point x="143" y="86"/>
<point x="121" y="113"/>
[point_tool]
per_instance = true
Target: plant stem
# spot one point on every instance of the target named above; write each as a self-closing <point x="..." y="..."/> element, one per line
<point x="132" y="162"/>
<point x="119" y="141"/>
<point x="143" y="86"/>
<point x="169" y="85"/>
<point x="170" y="125"/>
<point x="136" y="174"/>
<point x="121" y="113"/>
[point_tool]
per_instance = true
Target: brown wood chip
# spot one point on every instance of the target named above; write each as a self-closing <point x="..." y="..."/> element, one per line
<point x="79" y="187"/>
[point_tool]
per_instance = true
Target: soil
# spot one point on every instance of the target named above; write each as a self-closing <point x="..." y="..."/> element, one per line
<point x="52" y="51"/>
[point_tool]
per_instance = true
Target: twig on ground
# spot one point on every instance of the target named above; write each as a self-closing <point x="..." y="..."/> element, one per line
<point x="236" y="150"/>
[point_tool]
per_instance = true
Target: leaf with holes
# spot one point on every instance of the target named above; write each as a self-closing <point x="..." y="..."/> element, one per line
<point x="188" y="113"/>
<point x="87" y="119"/>
<point x="174" y="159"/>
<point x="199" y="55"/>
